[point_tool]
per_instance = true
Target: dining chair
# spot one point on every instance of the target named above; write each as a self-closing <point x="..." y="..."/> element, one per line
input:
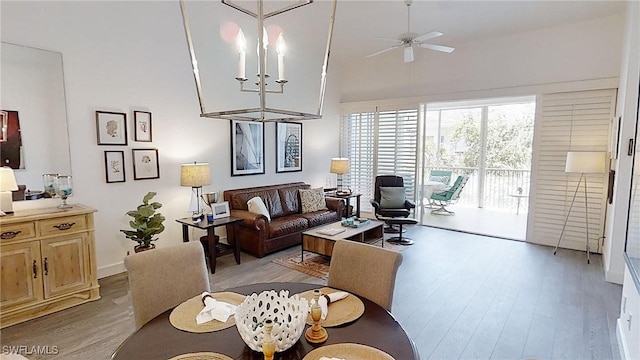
<point x="365" y="270"/>
<point x="160" y="279"/>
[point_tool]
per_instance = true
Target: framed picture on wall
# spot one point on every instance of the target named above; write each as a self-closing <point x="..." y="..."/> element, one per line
<point x="145" y="164"/>
<point x="111" y="128"/>
<point x="247" y="148"/>
<point x="142" y="126"/>
<point x="114" y="166"/>
<point x="288" y="147"/>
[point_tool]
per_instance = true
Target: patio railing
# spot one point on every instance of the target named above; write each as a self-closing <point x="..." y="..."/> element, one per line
<point x="499" y="185"/>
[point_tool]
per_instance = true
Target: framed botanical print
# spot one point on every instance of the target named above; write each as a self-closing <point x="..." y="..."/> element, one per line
<point x="111" y="128"/>
<point x="145" y="164"/>
<point x="247" y="148"/>
<point x="142" y="126"/>
<point x="114" y="166"/>
<point x="288" y="147"/>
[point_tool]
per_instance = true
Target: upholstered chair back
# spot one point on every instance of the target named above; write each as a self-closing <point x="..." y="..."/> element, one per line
<point x="365" y="270"/>
<point x="162" y="278"/>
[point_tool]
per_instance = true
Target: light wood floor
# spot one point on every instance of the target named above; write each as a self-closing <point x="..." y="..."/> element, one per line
<point x="459" y="296"/>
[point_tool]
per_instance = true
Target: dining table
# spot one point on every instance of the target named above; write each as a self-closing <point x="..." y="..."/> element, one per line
<point x="159" y="339"/>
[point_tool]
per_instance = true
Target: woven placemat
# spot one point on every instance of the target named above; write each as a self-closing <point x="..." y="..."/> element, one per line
<point x="201" y="356"/>
<point x="349" y="351"/>
<point x="183" y="317"/>
<point x="340" y="312"/>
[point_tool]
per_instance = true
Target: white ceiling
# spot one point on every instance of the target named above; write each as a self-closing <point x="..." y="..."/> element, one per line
<point x="359" y="23"/>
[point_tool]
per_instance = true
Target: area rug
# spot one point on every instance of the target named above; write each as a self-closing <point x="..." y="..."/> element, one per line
<point x="318" y="265"/>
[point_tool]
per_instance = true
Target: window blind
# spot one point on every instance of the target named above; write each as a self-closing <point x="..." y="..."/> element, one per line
<point x="573" y="121"/>
<point x="379" y="143"/>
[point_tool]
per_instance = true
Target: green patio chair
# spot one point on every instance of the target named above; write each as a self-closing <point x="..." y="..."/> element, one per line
<point x="449" y="196"/>
<point x="443" y="176"/>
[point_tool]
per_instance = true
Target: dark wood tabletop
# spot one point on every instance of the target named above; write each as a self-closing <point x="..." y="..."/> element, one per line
<point x="158" y="339"/>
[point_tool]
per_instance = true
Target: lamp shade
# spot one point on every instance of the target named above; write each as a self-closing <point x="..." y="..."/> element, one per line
<point x="7" y="180"/>
<point x="195" y="175"/>
<point x="585" y="162"/>
<point x="339" y="166"/>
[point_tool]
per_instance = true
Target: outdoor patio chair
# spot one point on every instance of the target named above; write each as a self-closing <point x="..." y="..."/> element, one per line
<point x="443" y="176"/>
<point x="449" y="196"/>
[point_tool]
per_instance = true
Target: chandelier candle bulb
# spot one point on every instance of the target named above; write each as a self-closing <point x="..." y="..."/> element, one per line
<point x="281" y="49"/>
<point x="265" y="44"/>
<point x="241" y="43"/>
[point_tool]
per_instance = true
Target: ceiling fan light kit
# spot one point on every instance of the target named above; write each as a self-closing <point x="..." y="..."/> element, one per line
<point x="409" y="39"/>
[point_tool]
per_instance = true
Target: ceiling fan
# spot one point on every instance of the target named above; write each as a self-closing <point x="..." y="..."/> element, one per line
<point x="408" y="40"/>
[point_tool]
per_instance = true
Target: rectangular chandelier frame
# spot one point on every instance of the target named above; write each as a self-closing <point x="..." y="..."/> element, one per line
<point x="263" y="112"/>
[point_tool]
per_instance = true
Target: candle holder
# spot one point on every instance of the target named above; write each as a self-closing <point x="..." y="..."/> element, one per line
<point x="64" y="190"/>
<point x="316" y="334"/>
<point x="50" y="182"/>
<point x="268" y="345"/>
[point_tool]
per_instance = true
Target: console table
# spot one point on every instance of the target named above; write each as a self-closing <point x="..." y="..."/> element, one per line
<point x="48" y="262"/>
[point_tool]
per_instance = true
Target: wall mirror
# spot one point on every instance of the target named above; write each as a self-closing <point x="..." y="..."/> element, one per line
<point x="32" y="91"/>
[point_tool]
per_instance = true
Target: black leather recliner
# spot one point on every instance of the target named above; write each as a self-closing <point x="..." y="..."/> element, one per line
<point x="404" y="211"/>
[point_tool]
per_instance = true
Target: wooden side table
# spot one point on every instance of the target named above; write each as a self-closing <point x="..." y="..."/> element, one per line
<point x="347" y="199"/>
<point x="216" y="248"/>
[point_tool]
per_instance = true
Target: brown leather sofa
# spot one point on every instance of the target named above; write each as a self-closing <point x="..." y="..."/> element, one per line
<point x="259" y="236"/>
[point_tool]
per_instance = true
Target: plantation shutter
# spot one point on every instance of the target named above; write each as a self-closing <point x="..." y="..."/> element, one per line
<point x="573" y="121"/>
<point x="357" y="140"/>
<point x="397" y="146"/>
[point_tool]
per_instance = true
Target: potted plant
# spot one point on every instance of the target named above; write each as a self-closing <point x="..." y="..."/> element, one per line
<point x="146" y="223"/>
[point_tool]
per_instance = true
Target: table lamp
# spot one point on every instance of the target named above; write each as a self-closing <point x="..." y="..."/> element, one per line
<point x="339" y="166"/>
<point x="7" y="185"/>
<point x="584" y="162"/>
<point x="196" y="176"/>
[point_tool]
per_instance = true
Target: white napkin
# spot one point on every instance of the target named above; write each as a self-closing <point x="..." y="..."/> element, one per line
<point x="333" y="297"/>
<point x="214" y="310"/>
<point x="330" y="358"/>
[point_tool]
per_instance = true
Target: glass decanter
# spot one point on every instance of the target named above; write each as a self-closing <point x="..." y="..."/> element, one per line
<point x="65" y="188"/>
<point x="50" y="182"/>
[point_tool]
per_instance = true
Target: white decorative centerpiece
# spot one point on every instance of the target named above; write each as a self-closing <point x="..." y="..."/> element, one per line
<point x="289" y="315"/>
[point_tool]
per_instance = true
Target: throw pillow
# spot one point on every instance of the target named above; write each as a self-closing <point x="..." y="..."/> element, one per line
<point x="392" y="197"/>
<point x="312" y="200"/>
<point x="256" y="205"/>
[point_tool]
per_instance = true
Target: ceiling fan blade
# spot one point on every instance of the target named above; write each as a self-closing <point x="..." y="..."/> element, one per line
<point x="442" y="48"/>
<point x="384" y="51"/>
<point x="427" y="36"/>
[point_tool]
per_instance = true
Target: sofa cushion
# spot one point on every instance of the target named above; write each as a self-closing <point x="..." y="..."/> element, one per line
<point x="256" y="205"/>
<point x="287" y="225"/>
<point x="291" y="199"/>
<point x="272" y="201"/>
<point x="321" y="217"/>
<point x="392" y="197"/>
<point x="312" y="200"/>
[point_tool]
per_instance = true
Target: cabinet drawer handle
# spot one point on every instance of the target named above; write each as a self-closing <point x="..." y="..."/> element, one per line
<point x="9" y="234"/>
<point x="35" y="270"/>
<point x="64" y="226"/>
<point x="46" y="267"/>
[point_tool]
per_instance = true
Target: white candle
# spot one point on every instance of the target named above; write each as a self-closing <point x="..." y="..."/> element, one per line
<point x="242" y="47"/>
<point x="281" y="49"/>
<point x="265" y="43"/>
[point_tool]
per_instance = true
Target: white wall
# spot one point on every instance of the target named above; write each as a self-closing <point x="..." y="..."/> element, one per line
<point x="124" y="56"/>
<point x="627" y="108"/>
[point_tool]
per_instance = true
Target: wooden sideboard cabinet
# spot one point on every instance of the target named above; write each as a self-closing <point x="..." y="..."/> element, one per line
<point x="48" y="262"/>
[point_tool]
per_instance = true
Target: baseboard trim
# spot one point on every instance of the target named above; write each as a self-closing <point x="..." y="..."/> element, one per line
<point x="614" y="277"/>
<point x="112" y="269"/>
<point x="622" y="344"/>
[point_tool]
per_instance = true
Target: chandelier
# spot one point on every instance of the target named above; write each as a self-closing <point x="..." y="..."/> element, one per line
<point x="257" y="109"/>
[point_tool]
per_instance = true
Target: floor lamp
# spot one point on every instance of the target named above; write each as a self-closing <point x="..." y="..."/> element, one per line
<point x="584" y="162"/>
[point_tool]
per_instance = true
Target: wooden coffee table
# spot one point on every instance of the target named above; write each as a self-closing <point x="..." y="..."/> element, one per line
<point x="315" y="241"/>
